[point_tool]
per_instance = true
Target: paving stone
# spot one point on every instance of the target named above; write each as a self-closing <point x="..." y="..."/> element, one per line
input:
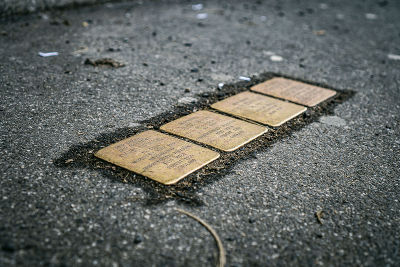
<point x="214" y="129"/>
<point x="298" y="92"/>
<point x="259" y="108"/>
<point x="158" y="156"/>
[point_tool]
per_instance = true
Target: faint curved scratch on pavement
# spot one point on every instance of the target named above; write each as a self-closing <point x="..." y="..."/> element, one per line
<point x="222" y="258"/>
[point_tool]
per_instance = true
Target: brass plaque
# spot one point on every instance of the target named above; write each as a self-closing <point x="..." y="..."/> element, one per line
<point x="214" y="129"/>
<point x="298" y="92"/>
<point x="263" y="109"/>
<point x="158" y="156"/>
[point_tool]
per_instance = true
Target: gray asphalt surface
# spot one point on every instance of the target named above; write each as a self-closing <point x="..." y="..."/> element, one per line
<point x="346" y="164"/>
<point x="15" y="7"/>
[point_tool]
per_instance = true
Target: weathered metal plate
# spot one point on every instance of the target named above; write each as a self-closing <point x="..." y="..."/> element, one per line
<point x="216" y="130"/>
<point x="263" y="109"/>
<point x="158" y="156"/>
<point x="298" y="92"/>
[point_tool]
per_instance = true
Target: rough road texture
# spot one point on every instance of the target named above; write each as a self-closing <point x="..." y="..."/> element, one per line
<point x="10" y="7"/>
<point x="264" y="208"/>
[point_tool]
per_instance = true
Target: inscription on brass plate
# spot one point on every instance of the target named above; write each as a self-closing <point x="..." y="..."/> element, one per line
<point x="158" y="156"/>
<point x="214" y="129"/>
<point x="263" y="109"/>
<point x="298" y="92"/>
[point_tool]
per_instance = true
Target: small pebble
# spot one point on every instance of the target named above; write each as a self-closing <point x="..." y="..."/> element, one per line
<point x="187" y="100"/>
<point x="371" y="16"/>
<point x="268" y="53"/>
<point x="202" y="16"/>
<point x="323" y="6"/>
<point x="275" y="256"/>
<point x="319" y="32"/>
<point x="197" y="7"/>
<point x="340" y="16"/>
<point x="138" y="239"/>
<point x="44" y="16"/>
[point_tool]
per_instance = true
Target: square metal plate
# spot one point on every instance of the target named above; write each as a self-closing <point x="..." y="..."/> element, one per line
<point x="214" y="129"/>
<point x="256" y="107"/>
<point x="161" y="157"/>
<point x="298" y="92"/>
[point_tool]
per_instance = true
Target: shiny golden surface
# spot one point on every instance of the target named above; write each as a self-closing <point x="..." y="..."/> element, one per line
<point x="158" y="156"/>
<point x="214" y="129"/>
<point x="263" y="109"/>
<point x="298" y="92"/>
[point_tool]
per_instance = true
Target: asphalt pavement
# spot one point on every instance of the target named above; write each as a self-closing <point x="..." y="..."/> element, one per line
<point x="61" y="207"/>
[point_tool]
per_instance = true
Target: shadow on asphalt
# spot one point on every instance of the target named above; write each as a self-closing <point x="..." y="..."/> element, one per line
<point x="81" y="156"/>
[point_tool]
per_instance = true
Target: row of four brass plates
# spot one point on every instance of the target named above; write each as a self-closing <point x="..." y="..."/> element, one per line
<point x="167" y="159"/>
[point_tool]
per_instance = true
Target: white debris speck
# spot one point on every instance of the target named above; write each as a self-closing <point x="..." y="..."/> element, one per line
<point x="393" y="56"/>
<point x="44" y="16"/>
<point x="197" y="7"/>
<point x="263" y="18"/>
<point x="187" y="100"/>
<point x="49" y="54"/>
<point x="202" y="16"/>
<point x="276" y="58"/>
<point x="275" y="256"/>
<point x="323" y="6"/>
<point x="371" y="16"/>
<point x="244" y="78"/>
<point x="268" y="53"/>
<point x="333" y="121"/>
<point x="340" y="16"/>
<point x="221" y="77"/>
<point x="220" y="85"/>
